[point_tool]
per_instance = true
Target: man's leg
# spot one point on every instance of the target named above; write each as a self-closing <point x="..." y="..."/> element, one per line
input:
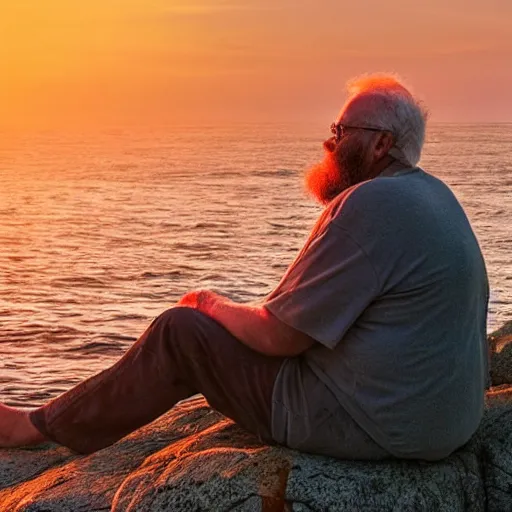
<point x="183" y="352"/>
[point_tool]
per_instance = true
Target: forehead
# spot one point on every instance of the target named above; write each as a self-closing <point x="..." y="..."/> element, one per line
<point x="359" y="109"/>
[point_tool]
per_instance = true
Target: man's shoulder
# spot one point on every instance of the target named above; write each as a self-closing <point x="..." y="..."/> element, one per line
<point x="382" y="202"/>
<point x="374" y="195"/>
<point x="383" y="187"/>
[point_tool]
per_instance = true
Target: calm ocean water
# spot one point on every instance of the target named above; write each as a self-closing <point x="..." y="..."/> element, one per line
<point x="99" y="234"/>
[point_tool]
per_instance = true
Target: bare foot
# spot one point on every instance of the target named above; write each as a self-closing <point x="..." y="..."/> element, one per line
<point x="16" y="429"/>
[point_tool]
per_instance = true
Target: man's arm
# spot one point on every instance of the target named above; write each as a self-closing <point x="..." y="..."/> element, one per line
<point x="252" y="325"/>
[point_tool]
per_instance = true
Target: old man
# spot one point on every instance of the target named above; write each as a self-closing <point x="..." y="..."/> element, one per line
<point x="372" y="345"/>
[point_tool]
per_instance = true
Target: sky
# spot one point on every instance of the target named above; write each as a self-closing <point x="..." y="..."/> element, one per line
<point x="67" y="63"/>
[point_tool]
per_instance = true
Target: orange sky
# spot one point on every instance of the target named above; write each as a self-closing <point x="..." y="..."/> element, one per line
<point x="152" y="62"/>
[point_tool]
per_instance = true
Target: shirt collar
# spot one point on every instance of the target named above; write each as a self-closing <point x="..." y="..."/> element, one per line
<point x="395" y="168"/>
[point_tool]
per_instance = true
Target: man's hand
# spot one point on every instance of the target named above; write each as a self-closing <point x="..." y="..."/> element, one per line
<point x="202" y="300"/>
<point x="252" y="325"/>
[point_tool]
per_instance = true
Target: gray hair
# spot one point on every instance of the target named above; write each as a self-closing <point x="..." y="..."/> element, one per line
<point x="389" y="105"/>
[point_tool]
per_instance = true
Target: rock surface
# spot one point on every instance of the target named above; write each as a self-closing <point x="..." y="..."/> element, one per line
<point x="501" y="359"/>
<point x="194" y="459"/>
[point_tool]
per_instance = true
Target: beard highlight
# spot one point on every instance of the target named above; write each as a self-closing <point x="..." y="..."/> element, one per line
<point x="324" y="181"/>
<point x="339" y="170"/>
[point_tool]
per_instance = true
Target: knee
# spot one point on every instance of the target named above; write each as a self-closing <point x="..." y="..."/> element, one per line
<point x="181" y="330"/>
<point x="179" y="316"/>
<point x="181" y="320"/>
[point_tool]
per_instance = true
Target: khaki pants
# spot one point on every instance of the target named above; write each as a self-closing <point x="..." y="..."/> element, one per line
<point x="183" y="352"/>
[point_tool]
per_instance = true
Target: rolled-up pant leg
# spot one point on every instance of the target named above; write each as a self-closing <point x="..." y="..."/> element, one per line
<point x="182" y="352"/>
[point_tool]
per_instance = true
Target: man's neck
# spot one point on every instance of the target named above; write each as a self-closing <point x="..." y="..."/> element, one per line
<point x="392" y="168"/>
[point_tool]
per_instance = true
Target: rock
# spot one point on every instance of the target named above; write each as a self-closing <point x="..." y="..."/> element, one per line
<point x="495" y="436"/>
<point x="500" y="342"/>
<point x="194" y="459"/>
<point x="502" y="335"/>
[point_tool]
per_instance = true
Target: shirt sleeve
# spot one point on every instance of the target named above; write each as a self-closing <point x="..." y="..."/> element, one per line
<point x="326" y="288"/>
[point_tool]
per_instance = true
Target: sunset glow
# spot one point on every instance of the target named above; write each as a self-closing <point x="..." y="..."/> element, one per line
<point x="155" y="61"/>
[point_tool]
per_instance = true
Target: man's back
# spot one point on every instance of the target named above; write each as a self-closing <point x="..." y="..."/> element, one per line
<point x="402" y="335"/>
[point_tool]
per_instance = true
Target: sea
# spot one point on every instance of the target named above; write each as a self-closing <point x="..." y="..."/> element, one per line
<point x="100" y="232"/>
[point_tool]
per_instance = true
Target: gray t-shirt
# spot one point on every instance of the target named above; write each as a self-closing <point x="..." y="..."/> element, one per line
<point x="392" y="285"/>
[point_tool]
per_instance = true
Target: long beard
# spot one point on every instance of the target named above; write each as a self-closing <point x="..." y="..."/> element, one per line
<point x="336" y="172"/>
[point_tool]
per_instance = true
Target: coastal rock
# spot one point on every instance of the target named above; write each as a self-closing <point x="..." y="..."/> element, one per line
<point x="496" y="455"/>
<point x="500" y="342"/>
<point x="194" y="459"/>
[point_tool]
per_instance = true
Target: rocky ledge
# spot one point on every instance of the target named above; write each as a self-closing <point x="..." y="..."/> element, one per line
<point x="194" y="459"/>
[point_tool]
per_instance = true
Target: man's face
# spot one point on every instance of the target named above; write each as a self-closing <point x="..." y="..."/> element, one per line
<point x="345" y="163"/>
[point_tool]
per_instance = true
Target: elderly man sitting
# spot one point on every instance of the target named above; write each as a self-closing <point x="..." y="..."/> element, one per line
<point x="373" y="345"/>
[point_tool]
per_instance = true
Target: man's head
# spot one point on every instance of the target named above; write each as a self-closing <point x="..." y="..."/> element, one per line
<point x="380" y="123"/>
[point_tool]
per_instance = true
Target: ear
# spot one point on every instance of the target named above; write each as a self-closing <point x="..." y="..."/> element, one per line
<point x="383" y="144"/>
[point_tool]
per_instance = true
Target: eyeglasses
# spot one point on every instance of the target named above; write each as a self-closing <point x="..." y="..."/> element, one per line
<point x="338" y="130"/>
